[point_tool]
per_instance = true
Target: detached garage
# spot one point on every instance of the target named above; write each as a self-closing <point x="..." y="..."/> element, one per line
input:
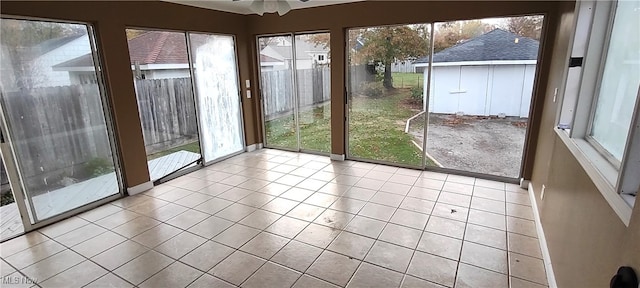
<point x="491" y="74"/>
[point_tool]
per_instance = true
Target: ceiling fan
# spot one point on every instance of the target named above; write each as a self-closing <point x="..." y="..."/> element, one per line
<point x="270" y="6"/>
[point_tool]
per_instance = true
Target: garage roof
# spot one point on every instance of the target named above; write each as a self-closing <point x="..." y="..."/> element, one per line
<point x="495" y="45"/>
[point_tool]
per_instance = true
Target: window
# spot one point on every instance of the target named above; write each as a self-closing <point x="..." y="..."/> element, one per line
<point x="618" y="89"/>
<point x="599" y="117"/>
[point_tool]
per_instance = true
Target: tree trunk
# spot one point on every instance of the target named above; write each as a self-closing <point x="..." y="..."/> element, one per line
<point x="388" y="80"/>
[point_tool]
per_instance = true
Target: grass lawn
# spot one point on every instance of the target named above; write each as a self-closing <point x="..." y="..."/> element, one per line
<point x="407" y="80"/>
<point x="315" y="130"/>
<point x="376" y="129"/>
<point x="191" y="147"/>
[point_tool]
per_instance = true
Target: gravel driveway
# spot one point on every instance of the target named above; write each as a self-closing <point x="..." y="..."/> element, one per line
<point x="478" y="144"/>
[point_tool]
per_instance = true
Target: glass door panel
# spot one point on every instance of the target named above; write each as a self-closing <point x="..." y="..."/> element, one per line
<point x="216" y="81"/>
<point x="276" y="85"/>
<point x="313" y="81"/>
<point x="55" y="118"/>
<point x="162" y="77"/>
<point x="386" y="103"/>
<point x="481" y="87"/>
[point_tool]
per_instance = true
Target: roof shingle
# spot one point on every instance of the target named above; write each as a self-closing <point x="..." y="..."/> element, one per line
<point x="497" y="44"/>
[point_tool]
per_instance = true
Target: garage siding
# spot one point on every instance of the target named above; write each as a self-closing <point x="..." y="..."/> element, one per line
<point x="482" y="90"/>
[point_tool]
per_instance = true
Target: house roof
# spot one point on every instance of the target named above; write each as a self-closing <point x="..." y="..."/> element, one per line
<point x="497" y="44"/>
<point x="265" y="58"/>
<point x="302" y="48"/>
<point x="152" y="47"/>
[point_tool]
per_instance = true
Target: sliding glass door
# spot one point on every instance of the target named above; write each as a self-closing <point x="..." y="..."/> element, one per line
<point x="481" y="89"/>
<point x="385" y="95"/>
<point x="451" y="96"/>
<point x="218" y="95"/>
<point x="164" y="90"/>
<point x="188" y="98"/>
<point x="313" y="91"/>
<point x="57" y="140"/>
<point x="276" y="85"/>
<point x="295" y="87"/>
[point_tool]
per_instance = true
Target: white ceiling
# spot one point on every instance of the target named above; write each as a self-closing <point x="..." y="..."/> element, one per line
<point x="242" y="6"/>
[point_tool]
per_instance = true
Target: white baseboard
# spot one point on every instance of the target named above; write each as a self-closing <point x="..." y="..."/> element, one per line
<point x="139" y="188"/>
<point x="546" y="257"/>
<point x="524" y="184"/>
<point x="254" y="147"/>
<point x="337" y="157"/>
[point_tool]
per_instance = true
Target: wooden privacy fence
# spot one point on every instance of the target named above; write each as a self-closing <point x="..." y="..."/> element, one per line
<point x="56" y="131"/>
<point x="314" y="87"/>
<point x="167" y="112"/>
<point x="359" y="74"/>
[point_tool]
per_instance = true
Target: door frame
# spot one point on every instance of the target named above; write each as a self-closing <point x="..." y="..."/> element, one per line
<point x="424" y="167"/>
<point x="22" y="199"/>
<point x="197" y="99"/>
<point x="294" y="92"/>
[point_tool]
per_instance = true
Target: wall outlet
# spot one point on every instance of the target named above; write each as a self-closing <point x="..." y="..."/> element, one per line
<point x="542" y="192"/>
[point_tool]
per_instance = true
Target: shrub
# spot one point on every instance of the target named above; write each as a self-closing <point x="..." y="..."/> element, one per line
<point x="98" y="166"/>
<point x="416" y="94"/>
<point x="372" y="89"/>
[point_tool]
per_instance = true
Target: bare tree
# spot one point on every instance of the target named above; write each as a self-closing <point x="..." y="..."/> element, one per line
<point x="526" y="26"/>
<point x="452" y="33"/>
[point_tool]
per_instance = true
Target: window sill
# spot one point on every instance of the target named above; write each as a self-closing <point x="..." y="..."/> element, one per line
<point x="601" y="172"/>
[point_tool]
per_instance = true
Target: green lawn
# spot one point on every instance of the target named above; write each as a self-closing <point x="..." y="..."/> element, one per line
<point x="315" y="130"/>
<point x="191" y="147"/>
<point x="407" y="80"/>
<point x="376" y="129"/>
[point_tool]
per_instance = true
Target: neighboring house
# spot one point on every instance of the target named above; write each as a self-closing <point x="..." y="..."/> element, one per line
<point x="277" y="56"/>
<point x="153" y="54"/>
<point x="42" y="59"/>
<point x="491" y="74"/>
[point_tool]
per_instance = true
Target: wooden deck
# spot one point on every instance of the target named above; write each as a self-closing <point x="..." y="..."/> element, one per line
<point x="79" y="194"/>
<point x="10" y="223"/>
<point x="167" y="164"/>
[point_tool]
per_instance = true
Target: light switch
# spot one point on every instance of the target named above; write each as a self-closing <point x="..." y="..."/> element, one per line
<point x="248" y="94"/>
<point x="247" y="83"/>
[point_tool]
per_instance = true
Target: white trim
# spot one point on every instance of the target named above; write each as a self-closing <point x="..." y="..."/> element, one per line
<point x="265" y="63"/>
<point x="476" y="63"/>
<point x="601" y="172"/>
<point x="524" y="184"/>
<point x="546" y="256"/>
<point x="253" y="147"/>
<point x="75" y="69"/>
<point x="337" y="157"/>
<point x="139" y="188"/>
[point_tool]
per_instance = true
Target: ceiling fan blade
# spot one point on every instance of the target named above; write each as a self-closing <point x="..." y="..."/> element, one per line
<point x="283" y="7"/>
<point x="257" y="7"/>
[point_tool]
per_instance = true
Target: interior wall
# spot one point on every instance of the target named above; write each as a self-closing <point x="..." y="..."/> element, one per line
<point x="338" y="18"/>
<point x="110" y="19"/>
<point x="587" y="240"/>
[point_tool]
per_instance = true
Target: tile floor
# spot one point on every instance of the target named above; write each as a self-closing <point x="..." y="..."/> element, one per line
<point x="278" y="219"/>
